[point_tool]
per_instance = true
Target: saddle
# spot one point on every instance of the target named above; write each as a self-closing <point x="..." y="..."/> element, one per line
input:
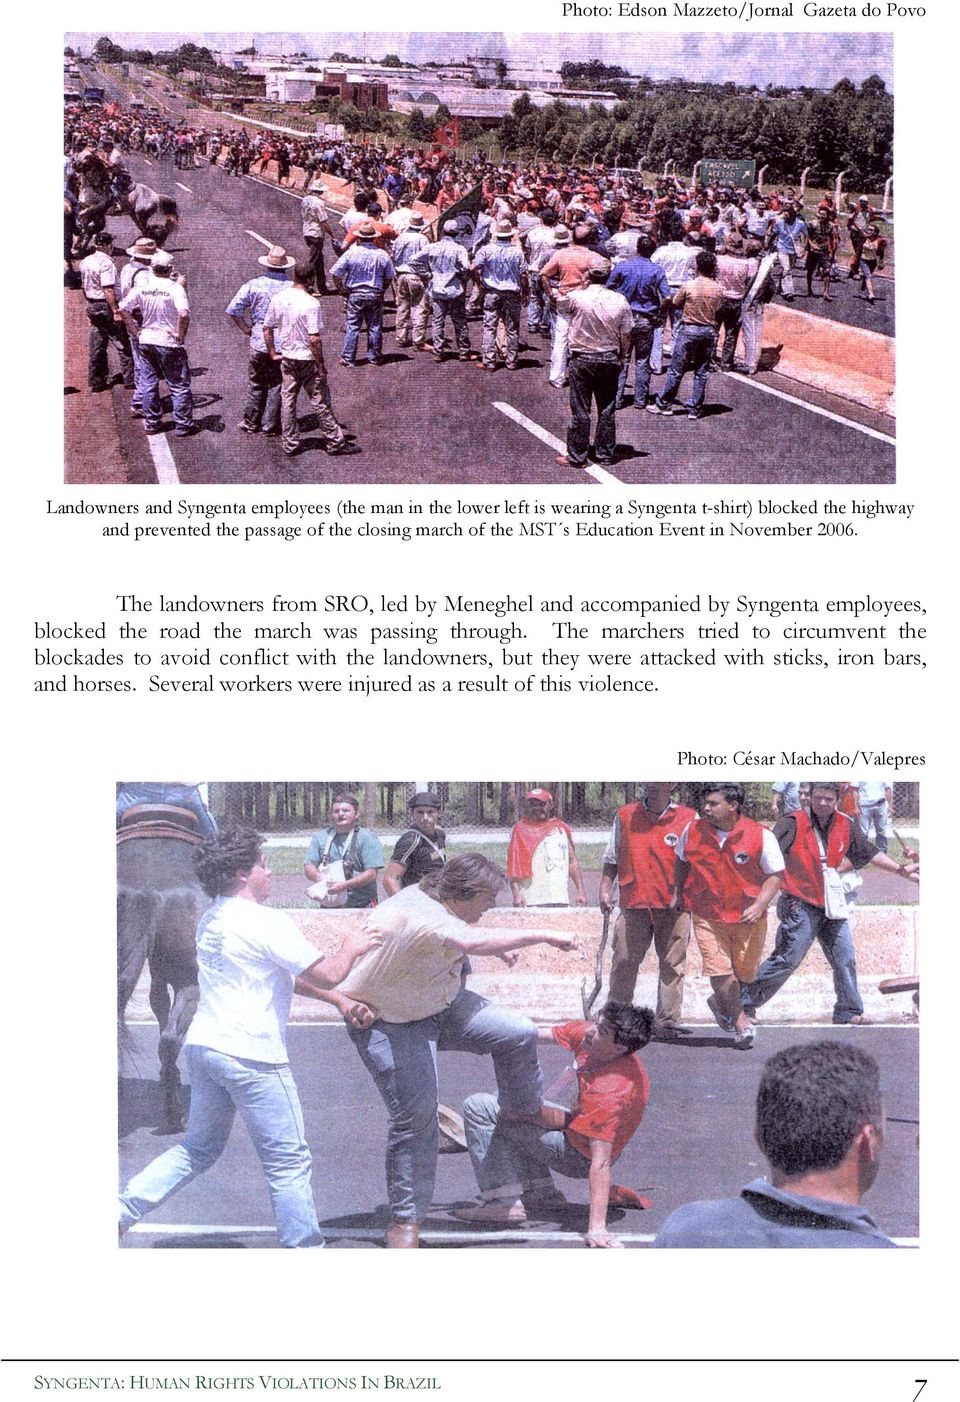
<point x="159" y="820"/>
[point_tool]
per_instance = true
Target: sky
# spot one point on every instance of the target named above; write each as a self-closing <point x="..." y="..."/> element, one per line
<point x="786" y="60"/>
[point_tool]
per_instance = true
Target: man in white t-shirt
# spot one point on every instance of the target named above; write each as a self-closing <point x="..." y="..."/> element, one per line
<point x="161" y="301"/>
<point x="541" y="857"/>
<point x="250" y="959"/>
<point x="291" y="330"/>
<point x="412" y="982"/>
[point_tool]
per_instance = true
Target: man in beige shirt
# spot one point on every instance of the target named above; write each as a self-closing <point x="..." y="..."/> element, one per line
<point x="413" y="984"/>
<point x="601" y="327"/>
<point x="561" y="274"/>
<point x="700" y="301"/>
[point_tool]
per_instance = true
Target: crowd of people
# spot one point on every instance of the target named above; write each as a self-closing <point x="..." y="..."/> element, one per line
<point x="401" y="983"/>
<point x="612" y="271"/>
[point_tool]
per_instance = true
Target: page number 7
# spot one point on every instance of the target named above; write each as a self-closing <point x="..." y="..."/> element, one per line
<point x="923" y="1383"/>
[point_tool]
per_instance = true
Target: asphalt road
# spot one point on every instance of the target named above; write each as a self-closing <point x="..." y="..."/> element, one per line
<point x="419" y="422"/>
<point x="696" y="1141"/>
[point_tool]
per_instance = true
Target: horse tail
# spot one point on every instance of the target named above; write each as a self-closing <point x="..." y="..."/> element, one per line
<point x="137" y="913"/>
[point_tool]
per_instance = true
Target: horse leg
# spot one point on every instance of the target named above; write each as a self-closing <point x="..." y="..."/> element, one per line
<point x="172" y="1034"/>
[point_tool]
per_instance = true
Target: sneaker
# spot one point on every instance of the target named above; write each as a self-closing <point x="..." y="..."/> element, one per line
<point x="244" y="427"/>
<point x="348" y="364"/>
<point x="627" y="1197"/>
<point x="186" y="432"/>
<point x="743" y="1041"/>
<point x="670" y="1032"/>
<point x="654" y="408"/>
<point x="342" y="450"/>
<point x="858" y="1021"/>
<point x="720" y="1018"/>
<point x="496" y="1212"/>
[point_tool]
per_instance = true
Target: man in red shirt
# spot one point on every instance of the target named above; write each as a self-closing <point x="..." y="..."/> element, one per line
<point x="640" y="857"/>
<point x="513" y="1158"/>
<point x="729" y="868"/>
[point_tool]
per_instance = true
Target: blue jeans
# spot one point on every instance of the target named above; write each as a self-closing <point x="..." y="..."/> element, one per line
<point x="266" y="1097"/>
<point x="363" y="309"/>
<point x="402" y="1059"/>
<point x="167" y="363"/>
<point x="641" y="344"/>
<point x="511" y="1159"/>
<point x="877" y="816"/>
<point x="693" y="350"/>
<point x="800" y="925"/>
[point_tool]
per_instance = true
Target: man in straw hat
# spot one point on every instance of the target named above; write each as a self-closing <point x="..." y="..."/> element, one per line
<point x="291" y="333"/>
<point x="500" y="269"/>
<point x="140" y="254"/>
<point x="363" y="272"/>
<point x="247" y="311"/>
<point x="410" y="259"/>
<point x="164" y="316"/>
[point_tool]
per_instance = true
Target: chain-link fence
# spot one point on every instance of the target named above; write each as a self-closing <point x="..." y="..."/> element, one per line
<point x="474" y="807"/>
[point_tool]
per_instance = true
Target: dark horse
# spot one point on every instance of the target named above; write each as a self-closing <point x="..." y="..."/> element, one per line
<point x="159" y="902"/>
<point x="155" y="215"/>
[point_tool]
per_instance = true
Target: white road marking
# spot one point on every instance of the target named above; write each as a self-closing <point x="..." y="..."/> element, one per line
<point x="475" y="1238"/>
<point x="183" y="187"/>
<point x="267" y="243"/>
<point x="163" y="461"/>
<point x="599" y="474"/>
<point x="146" y="162"/>
<point x="814" y="409"/>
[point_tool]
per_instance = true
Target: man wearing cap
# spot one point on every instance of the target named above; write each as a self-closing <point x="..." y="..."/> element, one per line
<point x="317" y="225"/>
<point x="291" y="333"/>
<point x="561" y="274"/>
<point x="817" y="846"/>
<point x="600" y="334"/>
<point x="729" y="868"/>
<point x="500" y="270"/>
<point x="449" y="270"/>
<point x="363" y="272"/>
<point x="420" y="850"/>
<point x="541" y="857"/>
<point x="410" y="259"/>
<point x="164" y="316"/>
<point x="98" y="278"/>
<point x="641" y="859"/>
<point x="138" y="267"/>
<point x="247" y="311"/>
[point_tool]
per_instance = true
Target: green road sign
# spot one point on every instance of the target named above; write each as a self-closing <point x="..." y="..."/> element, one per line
<point x="735" y="173"/>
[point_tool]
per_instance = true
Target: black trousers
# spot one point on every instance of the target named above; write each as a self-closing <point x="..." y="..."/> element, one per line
<point x="593" y="378"/>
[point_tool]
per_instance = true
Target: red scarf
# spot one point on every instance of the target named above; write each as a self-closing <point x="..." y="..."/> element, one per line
<point x="524" y="841"/>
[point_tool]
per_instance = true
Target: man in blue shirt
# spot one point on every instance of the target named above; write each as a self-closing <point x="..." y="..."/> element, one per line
<point x="820" y="1124"/>
<point x="449" y="270"/>
<point x="788" y="238"/>
<point x="363" y="272"/>
<point x="645" y="286"/>
<point x="261" y="413"/>
<point x="409" y="254"/>
<point x="501" y="270"/>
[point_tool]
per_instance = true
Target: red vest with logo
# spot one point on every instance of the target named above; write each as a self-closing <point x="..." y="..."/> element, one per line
<point x="723" y="881"/>
<point x="646" y="864"/>
<point x="803" y="877"/>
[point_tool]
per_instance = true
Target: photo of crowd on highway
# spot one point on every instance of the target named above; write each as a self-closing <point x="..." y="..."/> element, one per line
<point x="404" y="1015"/>
<point x="486" y="259"/>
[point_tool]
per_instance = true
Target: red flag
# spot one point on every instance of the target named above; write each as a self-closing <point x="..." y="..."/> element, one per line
<point x="448" y="135"/>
